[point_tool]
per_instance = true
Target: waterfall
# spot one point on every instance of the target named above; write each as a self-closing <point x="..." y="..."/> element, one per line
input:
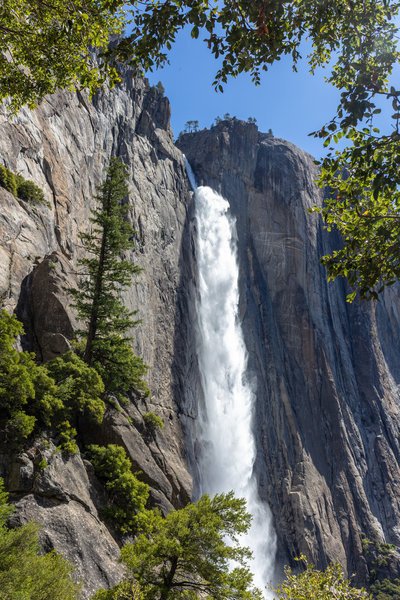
<point x="225" y="420"/>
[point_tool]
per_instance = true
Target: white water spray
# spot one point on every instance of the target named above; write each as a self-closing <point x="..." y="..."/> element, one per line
<point x="225" y="421"/>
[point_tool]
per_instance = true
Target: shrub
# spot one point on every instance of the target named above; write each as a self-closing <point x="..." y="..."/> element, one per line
<point x="318" y="585"/>
<point x="7" y="180"/>
<point x="20" y="426"/>
<point x="29" y="191"/>
<point x="46" y="396"/>
<point x="26" y="573"/>
<point x="386" y="589"/>
<point x="153" y="421"/>
<point x="17" y="369"/>
<point x="128" y="495"/>
<point x="79" y="386"/>
<point x="118" y="366"/>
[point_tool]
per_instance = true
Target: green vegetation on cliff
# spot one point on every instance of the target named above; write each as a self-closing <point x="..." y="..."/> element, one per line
<point x="35" y="397"/>
<point x="188" y="553"/>
<point x="318" y="585"/>
<point x="104" y="276"/>
<point x="128" y="495"/>
<point x="26" y="573"/>
<point x="20" y="187"/>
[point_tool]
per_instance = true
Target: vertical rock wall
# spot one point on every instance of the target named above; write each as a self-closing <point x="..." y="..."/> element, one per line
<point x="64" y="147"/>
<point x="327" y="372"/>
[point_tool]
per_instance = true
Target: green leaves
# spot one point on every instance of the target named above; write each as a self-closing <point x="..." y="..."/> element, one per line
<point x="188" y="554"/>
<point x="26" y="573"/>
<point x="46" y="46"/>
<point x="364" y="207"/>
<point x="128" y="495"/>
<point x="34" y="397"/>
<point x="318" y="585"/>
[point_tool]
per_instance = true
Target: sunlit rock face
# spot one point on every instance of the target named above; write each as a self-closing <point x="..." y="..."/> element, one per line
<point x="326" y="372"/>
<point x="64" y="147"/>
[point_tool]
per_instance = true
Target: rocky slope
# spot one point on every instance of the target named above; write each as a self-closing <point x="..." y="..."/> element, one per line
<point x="64" y="147"/>
<point x="327" y="372"/>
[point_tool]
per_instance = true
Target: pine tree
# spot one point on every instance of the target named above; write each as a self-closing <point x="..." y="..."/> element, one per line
<point x="105" y="275"/>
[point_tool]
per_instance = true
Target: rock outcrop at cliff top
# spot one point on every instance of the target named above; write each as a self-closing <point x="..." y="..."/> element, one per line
<point x="64" y="147"/>
<point x="327" y="372"/>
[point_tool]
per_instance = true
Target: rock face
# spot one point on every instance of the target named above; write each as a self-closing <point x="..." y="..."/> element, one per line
<point x="327" y="371"/>
<point x="64" y="147"/>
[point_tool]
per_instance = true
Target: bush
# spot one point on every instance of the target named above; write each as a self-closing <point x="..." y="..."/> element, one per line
<point x="20" y="426"/>
<point x="44" y="396"/>
<point x="118" y="366"/>
<point x="29" y="191"/>
<point x="7" y="180"/>
<point x="128" y="495"/>
<point x="386" y="589"/>
<point x="153" y="421"/>
<point x="318" y="585"/>
<point x="17" y="369"/>
<point x="79" y="386"/>
<point x="25" y="573"/>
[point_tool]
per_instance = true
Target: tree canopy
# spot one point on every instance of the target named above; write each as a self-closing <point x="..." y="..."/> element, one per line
<point x="318" y="585"/>
<point x="51" y="396"/>
<point x="189" y="553"/>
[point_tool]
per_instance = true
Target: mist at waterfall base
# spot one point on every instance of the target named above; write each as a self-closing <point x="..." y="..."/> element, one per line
<point x="225" y="419"/>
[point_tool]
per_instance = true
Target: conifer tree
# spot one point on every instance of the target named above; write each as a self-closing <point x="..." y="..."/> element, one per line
<point x="105" y="275"/>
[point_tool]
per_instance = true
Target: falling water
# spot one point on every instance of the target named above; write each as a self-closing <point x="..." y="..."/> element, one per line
<point x="226" y="419"/>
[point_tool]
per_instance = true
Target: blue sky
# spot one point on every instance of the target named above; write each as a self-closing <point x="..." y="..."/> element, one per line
<point x="291" y="104"/>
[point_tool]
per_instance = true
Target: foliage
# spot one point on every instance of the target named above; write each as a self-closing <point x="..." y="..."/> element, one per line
<point x="128" y="495"/>
<point x="35" y="396"/>
<point x="16" y="368"/>
<point x="188" y="555"/>
<point x="318" y="585"/>
<point x="25" y="574"/>
<point x="191" y="126"/>
<point x="386" y="589"/>
<point x="364" y="177"/>
<point x="7" y="180"/>
<point x="153" y="421"/>
<point x="105" y="275"/>
<point x="118" y="366"/>
<point x="29" y="191"/>
<point x="126" y="590"/>
<point x="79" y="387"/>
<point x="49" y="45"/>
<point x="18" y="186"/>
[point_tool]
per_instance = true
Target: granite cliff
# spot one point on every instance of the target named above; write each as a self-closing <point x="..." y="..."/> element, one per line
<point x="64" y="146"/>
<point x="326" y="372"/>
